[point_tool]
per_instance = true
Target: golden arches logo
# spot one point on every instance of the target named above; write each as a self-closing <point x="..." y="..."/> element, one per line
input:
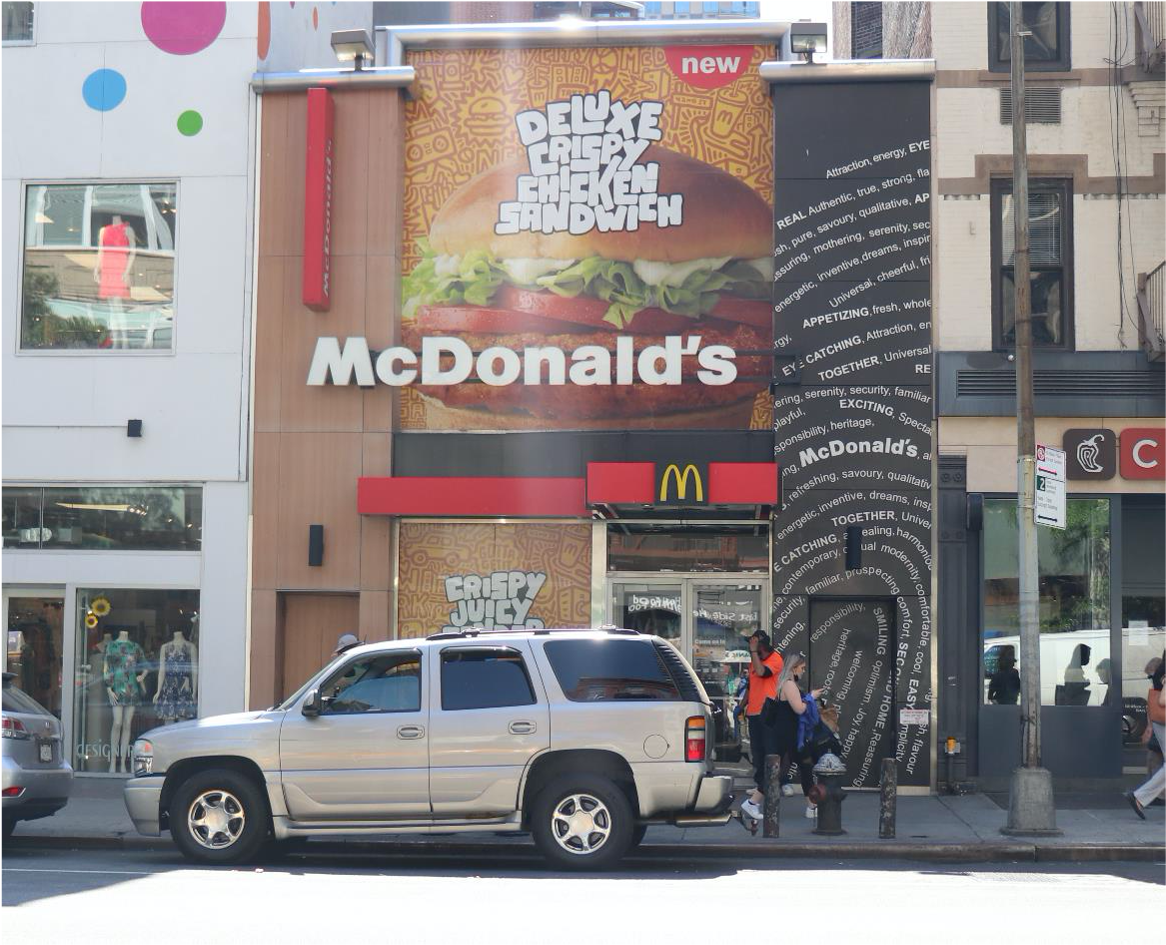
<point x="681" y="478"/>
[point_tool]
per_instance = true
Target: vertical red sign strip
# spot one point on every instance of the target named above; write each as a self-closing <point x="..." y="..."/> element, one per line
<point x="317" y="289"/>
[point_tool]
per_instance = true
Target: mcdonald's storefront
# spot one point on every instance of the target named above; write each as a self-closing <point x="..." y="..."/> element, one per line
<point x="559" y="336"/>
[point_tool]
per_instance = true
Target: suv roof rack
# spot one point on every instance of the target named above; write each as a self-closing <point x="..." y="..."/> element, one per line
<point x="480" y="631"/>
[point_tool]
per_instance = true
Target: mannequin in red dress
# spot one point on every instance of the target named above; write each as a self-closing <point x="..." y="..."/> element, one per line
<point x="115" y="255"/>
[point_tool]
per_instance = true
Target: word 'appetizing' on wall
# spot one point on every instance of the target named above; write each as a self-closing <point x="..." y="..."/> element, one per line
<point x="583" y="155"/>
<point x="495" y="600"/>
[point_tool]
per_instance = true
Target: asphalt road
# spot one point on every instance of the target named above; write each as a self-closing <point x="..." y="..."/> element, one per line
<point x="126" y="897"/>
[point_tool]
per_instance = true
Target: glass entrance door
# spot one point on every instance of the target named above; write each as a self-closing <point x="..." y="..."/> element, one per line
<point x="654" y="607"/>
<point x="35" y="643"/>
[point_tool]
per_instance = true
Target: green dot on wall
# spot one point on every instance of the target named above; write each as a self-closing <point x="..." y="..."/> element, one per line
<point x="189" y="123"/>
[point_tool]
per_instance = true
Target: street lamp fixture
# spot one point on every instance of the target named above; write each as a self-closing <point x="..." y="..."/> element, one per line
<point x="807" y="39"/>
<point x="353" y="46"/>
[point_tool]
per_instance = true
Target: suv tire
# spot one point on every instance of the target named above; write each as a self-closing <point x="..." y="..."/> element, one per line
<point x="218" y="816"/>
<point x="582" y="822"/>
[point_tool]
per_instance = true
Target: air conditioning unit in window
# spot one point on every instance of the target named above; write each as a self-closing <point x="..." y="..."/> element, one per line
<point x="1042" y="105"/>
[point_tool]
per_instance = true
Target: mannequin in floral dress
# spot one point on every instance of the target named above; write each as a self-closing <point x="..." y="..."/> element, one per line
<point x="177" y="695"/>
<point x="123" y="684"/>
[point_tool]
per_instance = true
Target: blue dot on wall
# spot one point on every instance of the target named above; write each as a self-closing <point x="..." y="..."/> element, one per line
<point x="104" y="89"/>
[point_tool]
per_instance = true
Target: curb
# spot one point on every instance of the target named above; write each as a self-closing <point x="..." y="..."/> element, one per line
<point x="986" y="852"/>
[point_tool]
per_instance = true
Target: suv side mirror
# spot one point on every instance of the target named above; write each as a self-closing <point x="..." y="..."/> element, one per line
<point x="313" y="704"/>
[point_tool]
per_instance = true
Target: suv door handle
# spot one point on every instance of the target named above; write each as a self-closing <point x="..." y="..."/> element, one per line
<point x="522" y="728"/>
<point x="411" y="731"/>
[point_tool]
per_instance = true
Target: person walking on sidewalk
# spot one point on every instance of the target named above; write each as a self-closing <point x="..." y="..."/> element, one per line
<point x="765" y="666"/>
<point x="1156" y="783"/>
<point x="791" y="706"/>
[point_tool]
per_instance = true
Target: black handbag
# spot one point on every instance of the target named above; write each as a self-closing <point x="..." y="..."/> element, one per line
<point x="768" y="713"/>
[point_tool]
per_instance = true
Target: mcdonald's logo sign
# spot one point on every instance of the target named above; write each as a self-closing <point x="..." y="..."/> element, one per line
<point x="681" y="483"/>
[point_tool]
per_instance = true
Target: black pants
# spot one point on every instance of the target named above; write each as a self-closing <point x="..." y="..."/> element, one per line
<point x="805" y="768"/>
<point x="761" y="743"/>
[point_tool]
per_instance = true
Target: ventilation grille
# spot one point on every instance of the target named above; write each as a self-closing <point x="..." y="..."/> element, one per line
<point x="1042" y="105"/>
<point x="1062" y="383"/>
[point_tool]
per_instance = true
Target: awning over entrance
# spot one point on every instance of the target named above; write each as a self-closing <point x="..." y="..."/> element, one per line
<point x="601" y="492"/>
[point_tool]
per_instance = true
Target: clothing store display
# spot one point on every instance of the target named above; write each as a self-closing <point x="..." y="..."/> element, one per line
<point x="176" y="697"/>
<point x="114" y="241"/>
<point x="122" y="658"/>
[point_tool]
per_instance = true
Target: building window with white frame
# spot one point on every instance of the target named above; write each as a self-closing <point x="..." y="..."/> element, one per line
<point x="99" y="266"/>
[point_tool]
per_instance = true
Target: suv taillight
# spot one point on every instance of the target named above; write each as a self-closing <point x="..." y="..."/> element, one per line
<point x="14" y="728"/>
<point x="694" y="738"/>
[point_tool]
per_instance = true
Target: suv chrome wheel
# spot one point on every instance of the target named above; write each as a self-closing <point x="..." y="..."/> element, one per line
<point x="581" y="824"/>
<point x="216" y="819"/>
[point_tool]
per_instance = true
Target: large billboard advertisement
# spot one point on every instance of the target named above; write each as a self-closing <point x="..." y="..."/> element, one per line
<point x="587" y="240"/>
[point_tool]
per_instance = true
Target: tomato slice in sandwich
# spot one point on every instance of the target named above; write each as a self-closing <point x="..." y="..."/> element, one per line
<point x="517" y="310"/>
<point x="757" y="313"/>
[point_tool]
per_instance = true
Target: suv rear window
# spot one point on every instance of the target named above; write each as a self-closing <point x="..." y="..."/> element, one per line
<point x="16" y="700"/>
<point x="606" y="670"/>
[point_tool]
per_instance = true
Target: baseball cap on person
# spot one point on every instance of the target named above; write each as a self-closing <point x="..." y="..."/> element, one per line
<point x="346" y="641"/>
<point x="761" y="637"/>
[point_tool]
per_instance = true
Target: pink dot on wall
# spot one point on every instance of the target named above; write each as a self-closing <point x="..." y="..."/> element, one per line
<point x="315" y="18"/>
<point x="183" y="28"/>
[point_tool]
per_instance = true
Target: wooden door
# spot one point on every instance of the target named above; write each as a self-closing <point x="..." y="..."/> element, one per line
<point x="310" y="625"/>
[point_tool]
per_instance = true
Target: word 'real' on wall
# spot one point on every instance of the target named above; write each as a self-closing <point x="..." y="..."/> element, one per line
<point x="853" y="410"/>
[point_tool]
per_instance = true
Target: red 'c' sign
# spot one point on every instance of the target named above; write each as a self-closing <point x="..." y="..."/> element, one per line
<point x="1143" y="453"/>
<point x="708" y="67"/>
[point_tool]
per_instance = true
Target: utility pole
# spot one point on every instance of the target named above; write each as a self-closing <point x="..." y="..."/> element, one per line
<point x="1031" y="810"/>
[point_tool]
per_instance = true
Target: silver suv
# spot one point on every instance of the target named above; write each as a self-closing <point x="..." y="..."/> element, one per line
<point x="581" y="737"/>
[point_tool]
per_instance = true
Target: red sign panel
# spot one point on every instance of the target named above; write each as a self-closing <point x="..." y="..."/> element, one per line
<point x="317" y="289"/>
<point x="1143" y="453"/>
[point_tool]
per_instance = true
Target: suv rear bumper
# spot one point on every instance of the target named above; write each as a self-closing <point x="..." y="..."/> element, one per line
<point x="714" y="795"/>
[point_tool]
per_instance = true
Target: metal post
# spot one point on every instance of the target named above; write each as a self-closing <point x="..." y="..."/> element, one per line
<point x="772" y="822"/>
<point x="1025" y="424"/>
<point x="1030" y="808"/>
<point x="888" y="798"/>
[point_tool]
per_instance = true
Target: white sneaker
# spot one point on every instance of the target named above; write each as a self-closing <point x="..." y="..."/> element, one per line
<point x="811" y="813"/>
<point x="788" y="790"/>
<point x="750" y="809"/>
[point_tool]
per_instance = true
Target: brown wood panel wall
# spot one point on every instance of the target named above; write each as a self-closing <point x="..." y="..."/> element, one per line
<point x="311" y="444"/>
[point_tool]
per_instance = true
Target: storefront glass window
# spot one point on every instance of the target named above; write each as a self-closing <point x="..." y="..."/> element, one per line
<point x="1075" y="666"/>
<point x="35" y="635"/>
<point x="1143" y="618"/>
<point x="99" y="266"/>
<point x="147" y="518"/>
<point x="137" y="668"/>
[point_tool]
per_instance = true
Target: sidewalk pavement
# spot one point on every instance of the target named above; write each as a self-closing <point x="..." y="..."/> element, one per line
<point x="938" y="827"/>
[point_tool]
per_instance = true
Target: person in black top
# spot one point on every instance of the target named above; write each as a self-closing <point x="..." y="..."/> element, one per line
<point x="791" y="705"/>
<point x="1004" y="686"/>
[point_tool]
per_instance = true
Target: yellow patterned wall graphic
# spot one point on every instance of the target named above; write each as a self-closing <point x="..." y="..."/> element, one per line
<point x="476" y="573"/>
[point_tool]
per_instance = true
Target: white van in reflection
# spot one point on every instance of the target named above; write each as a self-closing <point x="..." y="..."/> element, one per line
<point x="1076" y="669"/>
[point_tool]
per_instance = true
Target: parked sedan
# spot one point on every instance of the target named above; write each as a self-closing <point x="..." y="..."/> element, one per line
<point x="37" y="778"/>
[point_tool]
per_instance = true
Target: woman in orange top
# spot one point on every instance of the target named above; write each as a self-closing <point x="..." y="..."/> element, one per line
<point x="764" y="669"/>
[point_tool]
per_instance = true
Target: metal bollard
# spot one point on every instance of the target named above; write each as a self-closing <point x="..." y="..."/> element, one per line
<point x="772" y="823"/>
<point x="888" y="798"/>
